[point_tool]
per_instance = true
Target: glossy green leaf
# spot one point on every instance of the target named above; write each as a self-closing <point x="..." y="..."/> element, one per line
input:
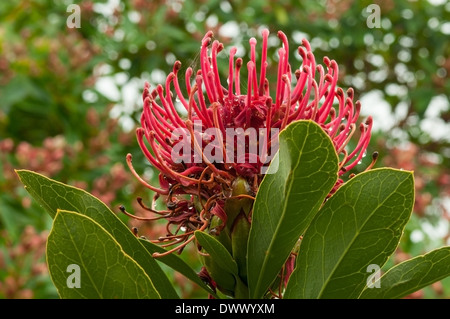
<point x="53" y="195"/>
<point x="360" y="225"/>
<point x="217" y="252"/>
<point x="177" y="264"/>
<point x="239" y="239"/>
<point x="411" y="275"/>
<point x="85" y="261"/>
<point x="223" y="273"/>
<point x="296" y="184"/>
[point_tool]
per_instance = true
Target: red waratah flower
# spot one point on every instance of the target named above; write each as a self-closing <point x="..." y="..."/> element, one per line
<point x="196" y="187"/>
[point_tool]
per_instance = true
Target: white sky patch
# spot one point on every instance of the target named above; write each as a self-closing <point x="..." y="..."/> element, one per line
<point x="433" y="124"/>
<point x="401" y="111"/>
<point x="119" y="35"/>
<point x="439" y="231"/>
<point x="436" y="128"/>
<point x="445" y="28"/>
<point x="226" y="7"/>
<point x="417" y="236"/>
<point x="212" y="21"/>
<point x="157" y="76"/>
<point x="438" y="104"/>
<point x="103" y="69"/>
<point x="298" y="36"/>
<point x="121" y="78"/>
<point x="229" y="29"/>
<point x="107" y="87"/>
<point x="120" y="88"/>
<point x="125" y="64"/>
<point x="89" y="96"/>
<point x="437" y="2"/>
<point x="372" y="103"/>
<point x="376" y="60"/>
<point x="396" y="90"/>
<point x="130" y="92"/>
<point x="107" y="9"/>
<point x="134" y="16"/>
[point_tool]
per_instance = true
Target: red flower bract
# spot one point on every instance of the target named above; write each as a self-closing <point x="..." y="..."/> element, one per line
<point x="195" y="189"/>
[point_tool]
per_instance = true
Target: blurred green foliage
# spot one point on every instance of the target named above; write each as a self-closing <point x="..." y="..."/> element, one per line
<point x="69" y="97"/>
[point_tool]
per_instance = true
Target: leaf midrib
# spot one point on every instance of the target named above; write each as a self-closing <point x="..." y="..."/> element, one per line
<point x="79" y="255"/>
<point x="113" y="223"/>
<point x="229" y="263"/>
<point x="325" y="284"/>
<point x="119" y="247"/>
<point x="290" y="182"/>
<point x="410" y="290"/>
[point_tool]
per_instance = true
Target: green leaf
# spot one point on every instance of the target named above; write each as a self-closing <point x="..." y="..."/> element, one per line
<point x="226" y="282"/>
<point x="239" y="239"/>
<point x="217" y="252"/>
<point x="103" y="270"/>
<point x="178" y="264"/>
<point x="288" y="198"/>
<point x="360" y="225"/>
<point x="53" y="195"/>
<point x="411" y="275"/>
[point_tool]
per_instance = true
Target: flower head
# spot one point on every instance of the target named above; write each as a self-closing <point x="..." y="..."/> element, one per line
<point x="196" y="185"/>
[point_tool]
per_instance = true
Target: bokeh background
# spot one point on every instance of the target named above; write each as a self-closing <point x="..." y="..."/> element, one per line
<point x="70" y="100"/>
